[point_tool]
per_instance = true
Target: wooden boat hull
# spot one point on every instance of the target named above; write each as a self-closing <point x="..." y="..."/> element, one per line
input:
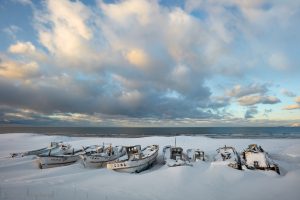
<point x="54" y="161"/>
<point x="134" y="166"/>
<point x="98" y="161"/>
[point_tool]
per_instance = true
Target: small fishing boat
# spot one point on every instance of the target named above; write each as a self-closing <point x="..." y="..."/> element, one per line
<point x="65" y="155"/>
<point x="52" y="146"/>
<point x="135" y="159"/>
<point x="254" y="157"/>
<point x="195" y="155"/>
<point x="174" y="156"/>
<point x="101" y="155"/>
<point x="228" y="155"/>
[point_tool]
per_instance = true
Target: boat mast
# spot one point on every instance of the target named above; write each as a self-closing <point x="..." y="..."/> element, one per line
<point x="175" y="141"/>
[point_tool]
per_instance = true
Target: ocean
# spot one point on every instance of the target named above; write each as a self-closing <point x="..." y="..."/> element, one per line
<point x="213" y="132"/>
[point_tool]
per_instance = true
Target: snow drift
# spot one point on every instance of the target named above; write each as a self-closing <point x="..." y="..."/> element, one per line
<point x="22" y="179"/>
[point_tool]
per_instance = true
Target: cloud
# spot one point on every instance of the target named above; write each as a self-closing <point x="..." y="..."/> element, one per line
<point x="267" y="112"/>
<point x="131" y="99"/>
<point x="68" y="37"/>
<point x="279" y="61"/>
<point x="22" y="48"/>
<point x="297" y="124"/>
<point x="251" y="94"/>
<point x="288" y="93"/>
<point x="136" y="59"/>
<point x="27" y="50"/>
<point x="251" y="112"/>
<point x="76" y="118"/>
<point x="18" y="70"/>
<point x="240" y="91"/>
<point x="255" y="99"/>
<point x="293" y="106"/>
<point x="12" y="30"/>
<point x="124" y="12"/>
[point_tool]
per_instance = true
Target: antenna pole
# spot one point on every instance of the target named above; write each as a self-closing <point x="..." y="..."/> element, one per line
<point x="175" y="141"/>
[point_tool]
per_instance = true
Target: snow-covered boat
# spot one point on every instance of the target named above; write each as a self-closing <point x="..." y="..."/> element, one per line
<point x="101" y="155"/>
<point x="195" y="155"/>
<point x="53" y="145"/>
<point x="254" y="157"/>
<point x="65" y="155"/>
<point x="174" y="156"/>
<point x="229" y="156"/>
<point x="135" y="159"/>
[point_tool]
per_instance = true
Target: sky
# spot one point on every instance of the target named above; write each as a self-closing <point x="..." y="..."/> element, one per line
<point x="150" y="63"/>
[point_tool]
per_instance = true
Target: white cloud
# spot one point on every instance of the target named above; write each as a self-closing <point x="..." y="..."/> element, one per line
<point x="68" y="36"/>
<point x="28" y="50"/>
<point x="65" y="14"/>
<point x="22" y="48"/>
<point x="128" y="11"/>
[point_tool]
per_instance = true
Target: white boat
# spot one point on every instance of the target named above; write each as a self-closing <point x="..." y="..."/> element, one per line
<point x="101" y="155"/>
<point x="228" y="156"/>
<point x="65" y="155"/>
<point x="52" y="146"/>
<point x="174" y="156"/>
<point x="195" y="155"/>
<point x="135" y="159"/>
<point x="56" y="160"/>
<point x="254" y="157"/>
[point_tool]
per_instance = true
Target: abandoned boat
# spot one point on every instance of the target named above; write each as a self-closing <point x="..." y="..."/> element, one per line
<point x="65" y="155"/>
<point x="135" y="159"/>
<point x="195" y="155"/>
<point x="254" y="157"/>
<point x="228" y="155"/>
<point x="101" y="155"/>
<point x="52" y="146"/>
<point x="174" y="156"/>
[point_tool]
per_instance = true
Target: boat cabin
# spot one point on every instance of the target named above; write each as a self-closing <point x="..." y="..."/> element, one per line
<point x="226" y="152"/>
<point x="176" y="153"/>
<point x="198" y="155"/>
<point x="255" y="148"/>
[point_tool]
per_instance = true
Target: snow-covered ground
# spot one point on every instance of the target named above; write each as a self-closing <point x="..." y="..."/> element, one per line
<point x="21" y="178"/>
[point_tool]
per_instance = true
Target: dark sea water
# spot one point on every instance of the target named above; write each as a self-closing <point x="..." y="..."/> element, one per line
<point x="213" y="132"/>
